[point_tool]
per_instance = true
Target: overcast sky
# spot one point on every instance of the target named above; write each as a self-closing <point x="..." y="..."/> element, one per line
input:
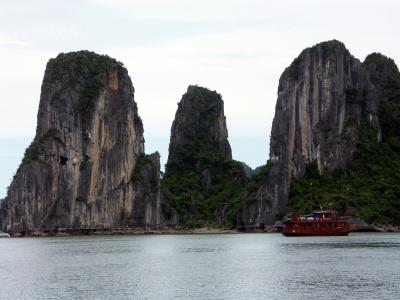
<point x="237" y="47"/>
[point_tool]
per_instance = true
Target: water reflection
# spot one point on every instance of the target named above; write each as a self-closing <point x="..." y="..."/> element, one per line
<point x="342" y="245"/>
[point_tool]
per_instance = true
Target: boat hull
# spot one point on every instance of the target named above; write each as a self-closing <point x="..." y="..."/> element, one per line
<point x="316" y="228"/>
<point x="292" y="234"/>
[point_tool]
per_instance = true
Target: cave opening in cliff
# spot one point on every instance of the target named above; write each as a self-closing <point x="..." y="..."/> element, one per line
<point x="63" y="160"/>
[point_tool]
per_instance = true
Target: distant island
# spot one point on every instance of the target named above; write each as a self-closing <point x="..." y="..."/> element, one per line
<point x="335" y="137"/>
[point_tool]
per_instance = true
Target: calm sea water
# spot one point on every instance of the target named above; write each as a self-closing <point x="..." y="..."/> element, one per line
<point x="236" y="266"/>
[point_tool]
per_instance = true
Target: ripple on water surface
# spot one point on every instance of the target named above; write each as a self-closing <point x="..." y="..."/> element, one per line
<point x="231" y="266"/>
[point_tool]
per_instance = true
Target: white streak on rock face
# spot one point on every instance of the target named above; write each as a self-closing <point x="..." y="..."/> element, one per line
<point x="274" y="157"/>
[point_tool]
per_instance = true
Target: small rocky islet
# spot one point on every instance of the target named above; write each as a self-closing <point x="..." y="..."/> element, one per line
<point x="335" y="136"/>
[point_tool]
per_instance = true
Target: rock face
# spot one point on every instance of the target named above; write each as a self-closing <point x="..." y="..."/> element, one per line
<point x="381" y="68"/>
<point x="323" y="98"/>
<point x="199" y="125"/>
<point x="146" y="183"/>
<point x="200" y="175"/>
<point x="386" y="77"/>
<point x="78" y="171"/>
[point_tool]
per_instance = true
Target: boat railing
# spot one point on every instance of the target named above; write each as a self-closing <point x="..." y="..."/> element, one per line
<point x="315" y="219"/>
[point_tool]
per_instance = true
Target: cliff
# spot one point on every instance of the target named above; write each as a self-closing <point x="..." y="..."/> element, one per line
<point x="324" y="99"/>
<point x="199" y="127"/>
<point x="147" y="211"/>
<point x="77" y="173"/>
<point x="201" y="180"/>
<point x="386" y="77"/>
<point x="371" y="181"/>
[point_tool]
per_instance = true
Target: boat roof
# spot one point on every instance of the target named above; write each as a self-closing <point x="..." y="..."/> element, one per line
<point x="324" y="212"/>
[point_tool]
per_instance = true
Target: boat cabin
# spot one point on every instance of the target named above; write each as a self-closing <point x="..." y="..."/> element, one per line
<point x="324" y="215"/>
<point x="318" y="215"/>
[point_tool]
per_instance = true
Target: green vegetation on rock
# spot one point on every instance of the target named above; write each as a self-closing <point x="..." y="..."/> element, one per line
<point x="371" y="183"/>
<point x="142" y="161"/>
<point x="256" y="182"/>
<point x="217" y="201"/>
<point x="34" y="149"/>
<point x="202" y="183"/>
<point x="83" y="165"/>
<point x="84" y="70"/>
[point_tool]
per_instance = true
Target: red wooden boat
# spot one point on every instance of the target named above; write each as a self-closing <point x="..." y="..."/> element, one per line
<point x="320" y="223"/>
